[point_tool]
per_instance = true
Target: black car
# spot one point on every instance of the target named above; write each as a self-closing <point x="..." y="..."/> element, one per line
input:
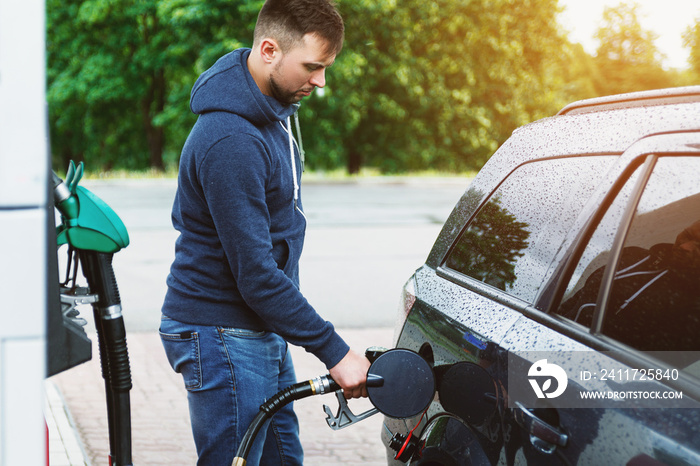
<point x="559" y="307"/>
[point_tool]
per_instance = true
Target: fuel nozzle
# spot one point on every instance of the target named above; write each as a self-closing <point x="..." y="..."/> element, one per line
<point x="373" y="352"/>
<point x="400" y="384"/>
<point x="87" y="222"/>
<point x="63" y="198"/>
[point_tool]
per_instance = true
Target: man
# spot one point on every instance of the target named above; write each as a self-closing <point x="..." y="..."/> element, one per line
<point x="233" y="299"/>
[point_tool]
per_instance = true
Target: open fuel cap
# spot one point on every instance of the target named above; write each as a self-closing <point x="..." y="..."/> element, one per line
<point x="400" y="383"/>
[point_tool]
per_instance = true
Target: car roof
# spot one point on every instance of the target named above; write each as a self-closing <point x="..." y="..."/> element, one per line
<point x="636" y="99"/>
<point x="601" y="126"/>
<point x="606" y="125"/>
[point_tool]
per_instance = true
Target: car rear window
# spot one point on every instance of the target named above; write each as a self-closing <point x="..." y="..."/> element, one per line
<point x="512" y="240"/>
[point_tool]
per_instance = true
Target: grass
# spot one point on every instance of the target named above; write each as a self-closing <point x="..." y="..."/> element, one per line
<point x="332" y="175"/>
<point x="129" y="174"/>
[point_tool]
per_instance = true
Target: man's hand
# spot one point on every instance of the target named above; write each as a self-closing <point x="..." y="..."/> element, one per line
<point x="351" y="374"/>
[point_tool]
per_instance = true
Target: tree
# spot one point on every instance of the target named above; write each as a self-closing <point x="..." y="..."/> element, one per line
<point x="691" y="39"/>
<point x="420" y="84"/>
<point x="436" y="84"/>
<point x="120" y="72"/>
<point x="627" y="58"/>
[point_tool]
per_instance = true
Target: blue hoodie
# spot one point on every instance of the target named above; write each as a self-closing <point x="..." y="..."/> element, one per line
<point x="241" y="226"/>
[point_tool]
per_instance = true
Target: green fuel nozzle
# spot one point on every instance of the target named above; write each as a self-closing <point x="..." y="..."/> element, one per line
<point x="88" y="223"/>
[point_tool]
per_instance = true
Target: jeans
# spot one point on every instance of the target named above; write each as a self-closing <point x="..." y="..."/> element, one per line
<point x="228" y="374"/>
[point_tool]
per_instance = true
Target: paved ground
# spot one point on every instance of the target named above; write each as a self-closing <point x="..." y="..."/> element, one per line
<point x="367" y="236"/>
<point x="160" y="420"/>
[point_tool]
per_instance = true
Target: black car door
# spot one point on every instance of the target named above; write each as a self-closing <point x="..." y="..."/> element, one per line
<point x="623" y="329"/>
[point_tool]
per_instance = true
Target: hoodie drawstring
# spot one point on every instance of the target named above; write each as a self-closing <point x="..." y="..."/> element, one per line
<point x="301" y="144"/>
<point x="288" y="129"/>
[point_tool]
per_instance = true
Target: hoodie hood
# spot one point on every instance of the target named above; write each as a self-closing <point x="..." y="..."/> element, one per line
<point x="229" y="87"/>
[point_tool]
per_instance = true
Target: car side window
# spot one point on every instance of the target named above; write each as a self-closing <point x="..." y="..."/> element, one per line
<point x="512" y="240"/>
<point x="654" y="299"/>
<point x="654" y="302"/>
<point x="581" y="294"/>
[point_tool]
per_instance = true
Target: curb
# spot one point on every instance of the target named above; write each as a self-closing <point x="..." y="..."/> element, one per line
<point x="65" y="446"/>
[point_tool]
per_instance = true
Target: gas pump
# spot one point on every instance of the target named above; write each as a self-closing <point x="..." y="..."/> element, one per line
<point x="24" y="213"/>
<point x="93" y="232"/>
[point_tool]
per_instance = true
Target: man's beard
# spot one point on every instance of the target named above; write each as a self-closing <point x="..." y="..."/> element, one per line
<point x="285" y="97"/>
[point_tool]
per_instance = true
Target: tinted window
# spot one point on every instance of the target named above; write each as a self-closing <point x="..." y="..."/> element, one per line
<point x="654" y="302"/>
<point x="512" y="240"/>
<point x="581" y="294"/>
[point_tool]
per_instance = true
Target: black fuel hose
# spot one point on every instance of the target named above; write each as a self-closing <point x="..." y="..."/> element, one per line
<point x="114" y="356"/>
<point x="318" y="386"/>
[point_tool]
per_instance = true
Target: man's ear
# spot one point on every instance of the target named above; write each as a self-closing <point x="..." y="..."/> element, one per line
<point x="269" y="50"/>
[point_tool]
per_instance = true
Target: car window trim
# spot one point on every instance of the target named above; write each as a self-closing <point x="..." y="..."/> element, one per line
<point x="632" y="357"/>
<point x="482" y="288"/>
<point x="486" y="198"/>
<point x="619" y="240"/>
<point x="552" y="293"/>
<point x="619" y="351"/>
<point x="562" y="276"/>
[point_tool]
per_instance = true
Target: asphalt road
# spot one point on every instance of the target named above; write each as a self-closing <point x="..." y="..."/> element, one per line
<point x="364" y="240"/>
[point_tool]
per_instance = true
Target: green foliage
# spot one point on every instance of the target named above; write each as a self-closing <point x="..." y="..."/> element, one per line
<point x="120" y="73"/>
<point x="691" y="39"/>
<point x="419" y="85"/>
<point x="437" y="84"/>
<point x="627" y="58"/>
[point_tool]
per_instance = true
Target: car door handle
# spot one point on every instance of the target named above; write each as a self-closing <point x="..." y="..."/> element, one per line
<point x="543" y="436"/>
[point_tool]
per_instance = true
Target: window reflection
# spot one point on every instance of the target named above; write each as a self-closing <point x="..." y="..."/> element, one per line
<point x="511" y="242"/>
<point x="490" y="247"/>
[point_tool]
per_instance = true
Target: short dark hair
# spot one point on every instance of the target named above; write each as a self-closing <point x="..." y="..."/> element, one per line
<point x="288" y="21"/>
